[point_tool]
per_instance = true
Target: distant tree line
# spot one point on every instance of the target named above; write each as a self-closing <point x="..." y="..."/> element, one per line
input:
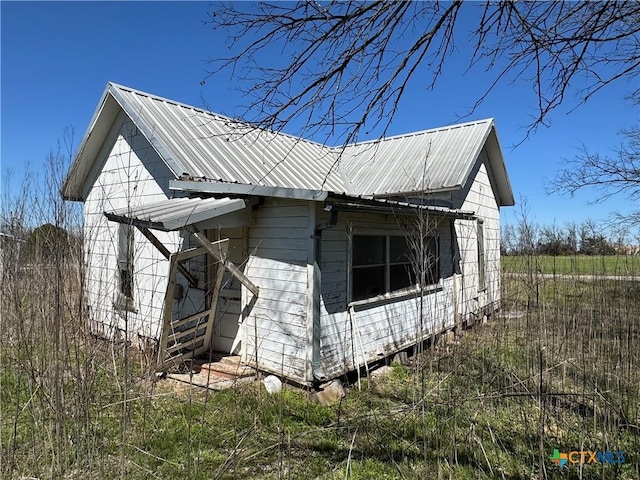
<point x="40" y="244"/>
<point x="587" y="238"/>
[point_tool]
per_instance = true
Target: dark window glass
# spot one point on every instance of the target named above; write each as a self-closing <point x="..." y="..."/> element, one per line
<point x="125" y="259"/>
<point x="399" y="251"/>
<point x="481" y="258"/>
<point x="368" y="250"/>
<point x="126" y="283"/>
<point x="368" y="282"/>
<point x="401" y="276"/>
<point x="374" y="273"/>
<point x="432" y="264"/>
<point x="401" y="272"/>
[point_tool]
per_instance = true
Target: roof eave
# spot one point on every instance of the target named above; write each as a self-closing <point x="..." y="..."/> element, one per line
<point x="346" y="202"/>
<point x="418" y="193"/>
<point x="72" y="186"/>
<point x="225" y="188"/>
<point x="501" y="176"/>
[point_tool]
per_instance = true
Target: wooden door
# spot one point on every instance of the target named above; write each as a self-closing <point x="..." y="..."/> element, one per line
<point x="226" y="334"/>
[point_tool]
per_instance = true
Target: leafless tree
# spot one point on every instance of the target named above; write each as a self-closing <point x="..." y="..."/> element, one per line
<point x="345" y="66"/>
<point x="615" y="174"/>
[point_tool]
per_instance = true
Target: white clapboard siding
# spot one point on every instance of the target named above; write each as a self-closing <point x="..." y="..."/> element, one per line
<point x="368" y="333"/>
<point x="127" y="173"/>
<point x="479" y="198"/>
<point x="275" y="329"/>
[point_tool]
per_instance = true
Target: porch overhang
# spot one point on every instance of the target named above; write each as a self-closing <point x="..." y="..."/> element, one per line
<point x="346" y="203"/>
<point x="226" y="188"/>
<point x="175" y="213"/>
<point x="183" y="214"/>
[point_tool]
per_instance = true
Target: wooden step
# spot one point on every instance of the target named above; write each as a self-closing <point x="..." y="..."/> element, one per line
<point x="211" y="382"/>
<point x="232" y="370"/>
<point x="231" y="359"/>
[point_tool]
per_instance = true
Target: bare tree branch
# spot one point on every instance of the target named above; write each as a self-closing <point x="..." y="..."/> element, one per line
<point x="609" y="175"/>
<point x="345" y="66"/>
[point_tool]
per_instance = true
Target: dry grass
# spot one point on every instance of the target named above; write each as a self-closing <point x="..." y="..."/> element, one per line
<point x="556" y="370"/>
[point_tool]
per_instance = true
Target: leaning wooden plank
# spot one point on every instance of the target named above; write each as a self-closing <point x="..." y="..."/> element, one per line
<point x="190" y="253"/>
<point x="215" y="294"/>
<point x="193" y="281"/>
<point x="202" y="240"/>
<point x="168" y="308"/>
<point x="183" y="321"/>
<point x="188" y="331"/>
<point x="183" y="345"/>
<point x="202" y="331"/>
<point x="178" y="358"/>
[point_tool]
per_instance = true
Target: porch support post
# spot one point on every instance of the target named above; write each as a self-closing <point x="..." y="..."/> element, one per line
<point x="168" y="309"/>
<point x="224" y="248"/>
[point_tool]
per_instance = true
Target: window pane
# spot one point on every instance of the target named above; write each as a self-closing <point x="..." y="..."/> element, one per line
<point x="433" y="262"/>
<point x="126" y="283"/>
<point x="125" y="259"/>
<point x="399" y="250"/>
<point x="401" y="276"/>
<point x="367" y="282"/>
<point x="481" y="260"/>
<point x="125" y="244"/>
<point x="368" y="250"/>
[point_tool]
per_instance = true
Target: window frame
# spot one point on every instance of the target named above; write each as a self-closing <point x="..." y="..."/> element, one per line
<point x="388" y="293"/>
<point x="482" y="256"/>
<point x="125" y="264"/>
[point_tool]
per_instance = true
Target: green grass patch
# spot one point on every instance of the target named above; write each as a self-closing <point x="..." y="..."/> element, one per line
<point x="556" y="370"/>
<point x="572" y="264"/>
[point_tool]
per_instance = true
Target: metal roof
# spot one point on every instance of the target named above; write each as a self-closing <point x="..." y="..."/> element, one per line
<point x="176" y="213"/>
<point x="431" y="160"/>
<point x="359" y="203"/>
<point x="212" y="147"/>
<point x="204" y="144"/>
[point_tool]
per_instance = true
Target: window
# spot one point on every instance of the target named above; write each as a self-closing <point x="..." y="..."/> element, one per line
<point x="383" y="264"/>
<point x="481" y="257"/>
<point x="125" y="265"/>
<point x="401" y="271"/>
<point x="369" y="266"/>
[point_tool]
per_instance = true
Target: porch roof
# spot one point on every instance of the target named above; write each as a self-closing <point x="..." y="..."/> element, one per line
<point x="175" y="213"/>
<point x="351" y="203"/>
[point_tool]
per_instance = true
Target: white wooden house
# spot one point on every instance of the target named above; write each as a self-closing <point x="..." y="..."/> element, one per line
<point x="297" y="256"/>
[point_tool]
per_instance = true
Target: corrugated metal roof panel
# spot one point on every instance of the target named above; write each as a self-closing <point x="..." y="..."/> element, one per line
<point x="355" y="203"/>
<point x="431" y="160"/>
<point x="176" y="213"/>
<point x="204" y="144"/>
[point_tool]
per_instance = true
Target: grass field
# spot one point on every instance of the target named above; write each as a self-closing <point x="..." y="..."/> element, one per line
<point x="556" y="370"/>
<point x="494" y="405"/>
<point x="573" y="264"/>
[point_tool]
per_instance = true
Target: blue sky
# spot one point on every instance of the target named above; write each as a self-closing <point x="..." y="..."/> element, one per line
<point x="58" y="56"/>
